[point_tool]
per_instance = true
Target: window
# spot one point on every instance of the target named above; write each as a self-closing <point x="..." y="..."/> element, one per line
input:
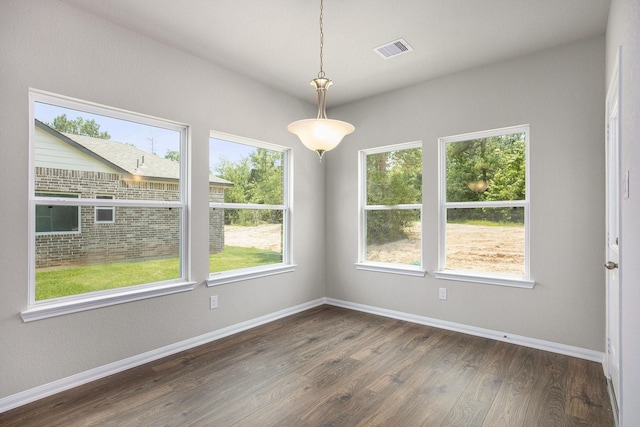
<point x="391" y="209"/>
<point x="249" y="209"/>
<point x="86" y="161"/>
<point x="105" y="214"/>
<point x="484" y="212"/>
<point x="57" y="219"/>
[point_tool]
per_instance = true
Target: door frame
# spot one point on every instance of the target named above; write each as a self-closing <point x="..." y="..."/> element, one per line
<point x="612" y="245"/>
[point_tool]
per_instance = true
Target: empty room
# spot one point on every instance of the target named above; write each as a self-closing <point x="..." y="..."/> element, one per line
<point x="320" y="212"/>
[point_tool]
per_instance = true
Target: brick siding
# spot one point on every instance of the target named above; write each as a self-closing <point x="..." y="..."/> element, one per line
<point x="137" y="233"/>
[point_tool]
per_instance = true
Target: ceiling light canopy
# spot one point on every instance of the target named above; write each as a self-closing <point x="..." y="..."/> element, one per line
<point x="321" y="134"/>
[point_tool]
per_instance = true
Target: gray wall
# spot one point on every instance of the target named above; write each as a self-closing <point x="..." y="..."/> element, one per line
<point x="624" y="30"/>
<point x="51" y="46"/>
<point x="560" y="93"/>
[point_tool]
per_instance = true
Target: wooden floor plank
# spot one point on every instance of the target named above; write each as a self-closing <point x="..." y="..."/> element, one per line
<point x="481" y="390"/>
<point x="514" y="395"/>
<point x="547" y="404"/>
<point x="338" y="367"/>
<point x="423" y="385"/>
<point x="586" y="394"/>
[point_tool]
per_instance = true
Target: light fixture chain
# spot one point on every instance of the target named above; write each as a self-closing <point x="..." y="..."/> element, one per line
<point x="320" y="134"/>
<point x="321" y="73"/>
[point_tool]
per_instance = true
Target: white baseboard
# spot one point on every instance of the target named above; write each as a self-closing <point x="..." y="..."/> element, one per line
<point x="553" y="347"/>
<point x="67" y="383"/>
<point x="81" y="378"/>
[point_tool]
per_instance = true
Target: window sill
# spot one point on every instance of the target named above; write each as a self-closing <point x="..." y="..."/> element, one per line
<point x="248" y="273"/>
<point x="46" y="310"/>
<point x="380" y="267"/>
<point x="512" y="281"/>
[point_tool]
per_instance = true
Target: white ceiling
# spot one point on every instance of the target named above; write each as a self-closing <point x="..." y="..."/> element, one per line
<point x="277" y="41"/>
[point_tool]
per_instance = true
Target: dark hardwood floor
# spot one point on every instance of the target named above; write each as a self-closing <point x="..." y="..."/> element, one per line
<point x="334" y="367"/>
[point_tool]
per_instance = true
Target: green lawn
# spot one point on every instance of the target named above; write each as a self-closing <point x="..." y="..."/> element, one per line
<point x="235" y="257"/>
<point x="62" y="282"/>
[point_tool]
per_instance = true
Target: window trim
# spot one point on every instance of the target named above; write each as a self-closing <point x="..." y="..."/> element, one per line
<point x="287" y="265"/>
<point x="99" y="299"/>
<point x="37" y="310"/>
<point x="501" y="279"/>
<point x="363" y="208"/>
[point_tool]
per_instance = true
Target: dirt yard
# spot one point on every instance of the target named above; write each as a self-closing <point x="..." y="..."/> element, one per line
<point x="469" y="247"/>
<point x="485" y="248"/>
<point x="267" y="236"/>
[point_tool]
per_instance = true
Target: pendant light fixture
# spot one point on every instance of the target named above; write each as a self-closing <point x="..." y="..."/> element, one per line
<point x="321" y="134"/>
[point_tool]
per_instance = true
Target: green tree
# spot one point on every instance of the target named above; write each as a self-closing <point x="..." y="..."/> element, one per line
<point x="78" y="126"/>
<point x="486" y="169"/>
<point x="265" y="178"/>
<point x="238" y="173"/>
<point x="508" y="181"/>
<point x="172" y="155"/>
<point x="257" y="179"/>
<point x="393" y="178"/>
<point x="265" y="184"/>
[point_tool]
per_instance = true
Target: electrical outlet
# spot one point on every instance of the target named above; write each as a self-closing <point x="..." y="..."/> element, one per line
<point x="213" y="302"/>
<point x="443" y="294"/>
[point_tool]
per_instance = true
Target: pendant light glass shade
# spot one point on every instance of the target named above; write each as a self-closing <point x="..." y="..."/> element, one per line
<point x="321" y="134"/>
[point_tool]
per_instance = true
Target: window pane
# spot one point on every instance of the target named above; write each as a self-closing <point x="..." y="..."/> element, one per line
<point x="251" y="238"/>
<point x="245" y="174"/>
<point x="90" y="153"/>
<point x="254" y="174"/>
<point x="57" y="218"/>
<point x="143" y="246"/>
<point x="486" y="169"/>
<point x="488" y="240"/>
<point x="104" y="214"/>
<point x="99" y="154"/>
<point x="394" y="177"/>
<point x="393" y="236"/>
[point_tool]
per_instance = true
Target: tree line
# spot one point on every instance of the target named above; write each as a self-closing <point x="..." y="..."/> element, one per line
<point x="257" y="179"/>
<point x="393" y="178"/>
<point x="486" y="169"/>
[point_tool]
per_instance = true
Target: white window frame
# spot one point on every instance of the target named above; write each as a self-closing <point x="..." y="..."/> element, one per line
<point x="75" y="303"/>
<point x="111" y="209"/>
<point x="363" y="208"/>
<point x="501" y="279"/>
<point x="287" y="265"/>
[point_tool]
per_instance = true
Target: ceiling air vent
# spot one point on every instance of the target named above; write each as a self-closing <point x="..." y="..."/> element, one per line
<point x="393" y="48"/>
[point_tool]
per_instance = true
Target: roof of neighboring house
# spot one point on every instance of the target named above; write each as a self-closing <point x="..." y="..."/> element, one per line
<point x="126" y="158"/>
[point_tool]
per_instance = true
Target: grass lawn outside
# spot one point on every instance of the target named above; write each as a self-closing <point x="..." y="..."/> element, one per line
<point x="61" y="282"/>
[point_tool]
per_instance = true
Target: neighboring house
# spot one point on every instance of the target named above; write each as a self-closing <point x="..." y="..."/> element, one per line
<point x="68" y="165"/>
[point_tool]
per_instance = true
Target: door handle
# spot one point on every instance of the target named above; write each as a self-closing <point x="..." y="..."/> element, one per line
<point x="610" y="265"/>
